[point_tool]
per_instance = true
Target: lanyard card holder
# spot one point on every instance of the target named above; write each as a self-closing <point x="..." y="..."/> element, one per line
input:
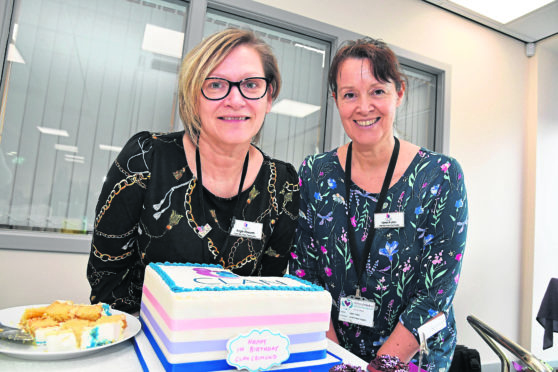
<point x="357" y="310"/>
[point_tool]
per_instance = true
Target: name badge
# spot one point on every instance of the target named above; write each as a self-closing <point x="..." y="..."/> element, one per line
<point x="247" y="229"/>
<point x="389" y="220"/>
<point x="357" y="311"/>
<point x="433" y="326"/>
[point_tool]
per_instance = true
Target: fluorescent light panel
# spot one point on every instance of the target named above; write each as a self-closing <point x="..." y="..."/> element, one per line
<point x="502" y="11"/>
<point x="66" y="148"/>
<point x="14" y="55"/>
<point x="53" y="131"/>
<point x="110" y="148"/>
<point x="74" y="158"/>
<point x="294" y="108"/>
<point x="163" y="41"/>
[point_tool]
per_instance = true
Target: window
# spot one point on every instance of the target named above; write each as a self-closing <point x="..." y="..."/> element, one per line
<point x="80" y="77"/>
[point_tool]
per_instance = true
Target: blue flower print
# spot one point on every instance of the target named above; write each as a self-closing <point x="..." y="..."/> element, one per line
<point x="327" y="218"/>
<point x="459" y="203"/>
<point x="418" y="210"/>
<point x="331" y="183"/>
<point x="432" y="312"/>
<point x="389" y="250"/>
<point x="434" y="189"/>
<point x="428" y="239"/>
<point x="317" y="196"/>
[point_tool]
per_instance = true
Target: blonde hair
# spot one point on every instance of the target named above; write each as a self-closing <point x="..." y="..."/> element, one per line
<point x="204" y="58"/>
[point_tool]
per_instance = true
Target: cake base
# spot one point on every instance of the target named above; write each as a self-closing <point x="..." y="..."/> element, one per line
<point x="152" y="360"/>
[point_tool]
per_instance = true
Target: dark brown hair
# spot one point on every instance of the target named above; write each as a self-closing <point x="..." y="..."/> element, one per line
<point x="383" y="62"/>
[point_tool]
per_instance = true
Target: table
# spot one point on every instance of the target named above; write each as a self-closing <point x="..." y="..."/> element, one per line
<point x="548" y="313"/>
<point x="121" y="358"/>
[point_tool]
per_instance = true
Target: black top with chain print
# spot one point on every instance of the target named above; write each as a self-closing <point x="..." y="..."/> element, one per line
<point x="149" y="210"/>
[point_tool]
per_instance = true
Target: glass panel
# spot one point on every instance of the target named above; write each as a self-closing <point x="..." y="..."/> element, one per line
<point x="81" y="77"/>
<point x="416" y="116"/>
<point x="295" y="126"/>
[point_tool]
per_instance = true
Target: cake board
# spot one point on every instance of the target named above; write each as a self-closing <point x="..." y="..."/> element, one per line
<point x="150" y="362"/>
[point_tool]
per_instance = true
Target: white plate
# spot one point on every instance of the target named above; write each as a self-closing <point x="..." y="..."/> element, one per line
<point x="11" y="317"/>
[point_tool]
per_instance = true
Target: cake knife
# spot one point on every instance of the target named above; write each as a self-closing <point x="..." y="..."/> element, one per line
<point x="15" y="334"/>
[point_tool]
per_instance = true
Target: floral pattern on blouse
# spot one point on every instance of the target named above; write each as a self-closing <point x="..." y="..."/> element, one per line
<point x="150" y="210"/>
<point x="411" y="273"/>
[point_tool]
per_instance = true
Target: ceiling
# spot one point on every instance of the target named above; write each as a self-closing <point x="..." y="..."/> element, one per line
<point x="539" y="25"/>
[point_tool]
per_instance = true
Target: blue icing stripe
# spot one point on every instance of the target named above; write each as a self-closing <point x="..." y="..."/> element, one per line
<point x="158" y="267"/>
<point x="106" y="310"/>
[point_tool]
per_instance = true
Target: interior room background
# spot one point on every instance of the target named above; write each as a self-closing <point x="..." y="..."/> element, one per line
<point x="80" y="77"/>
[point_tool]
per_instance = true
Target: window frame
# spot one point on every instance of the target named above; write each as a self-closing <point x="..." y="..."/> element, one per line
<point x="333" y="132"/>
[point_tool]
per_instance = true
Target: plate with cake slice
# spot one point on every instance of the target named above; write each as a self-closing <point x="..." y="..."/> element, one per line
<point x="64" y="330"/>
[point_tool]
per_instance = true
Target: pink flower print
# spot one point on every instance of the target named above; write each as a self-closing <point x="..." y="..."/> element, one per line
<point x="299" y="181"/>
<point x="458" y="257"/>
<point x="323" y="249"/>
<point x="456" y="279"/>
<point x="351" y="260"/>
<point x="327" y="271"/>
<point x="294" y="256"/>
<point x="440" y="291"/>
<point x="321" y="174"/>
<point x="300" y="273"/>
<point x="424" y="185"/>
<point x="445" y="167"/>
<point x="353" y="221"/>
<point x="363" y="289"/>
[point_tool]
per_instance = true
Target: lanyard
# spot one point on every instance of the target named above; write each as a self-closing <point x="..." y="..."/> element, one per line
<point x="360" y="262"/>
<point x="204" y="223"/>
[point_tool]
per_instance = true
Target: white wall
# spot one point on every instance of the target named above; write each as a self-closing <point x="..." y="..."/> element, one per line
<point x="28" y="277"/>
<point x="491" y="114"/>
<point x="545" y="238"/>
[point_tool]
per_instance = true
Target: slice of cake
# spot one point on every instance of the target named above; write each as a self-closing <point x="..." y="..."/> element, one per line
<point x="65" y="326"/>
<point x="205" y="318"/>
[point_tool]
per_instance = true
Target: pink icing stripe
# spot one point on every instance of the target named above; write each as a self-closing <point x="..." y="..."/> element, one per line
<point x="227" y="322"/>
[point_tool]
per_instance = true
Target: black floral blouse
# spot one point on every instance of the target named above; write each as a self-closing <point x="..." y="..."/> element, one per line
<point x="150" y="210"/>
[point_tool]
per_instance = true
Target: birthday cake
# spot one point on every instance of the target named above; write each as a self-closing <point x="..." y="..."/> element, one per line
<point x="205" y="318"/>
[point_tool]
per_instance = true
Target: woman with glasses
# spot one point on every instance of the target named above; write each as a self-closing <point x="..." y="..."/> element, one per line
<point x="203" y="195"/>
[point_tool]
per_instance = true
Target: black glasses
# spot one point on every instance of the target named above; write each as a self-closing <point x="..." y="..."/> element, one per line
<point x="215" y="89"/>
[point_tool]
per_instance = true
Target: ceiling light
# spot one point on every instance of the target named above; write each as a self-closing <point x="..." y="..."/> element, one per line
<point x="74" y="158"/>
<point x="294" y="108"/>
<point x="14" y="55"/>
<point x="163" y="41"/>
<point x="502" y="11"/>
<point x="110" y="148"/>
<point x="54" y="132"/>
<point x="66" y="148"/>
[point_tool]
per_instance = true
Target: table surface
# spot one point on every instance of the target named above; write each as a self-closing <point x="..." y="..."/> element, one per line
<point x="121" y="358"/>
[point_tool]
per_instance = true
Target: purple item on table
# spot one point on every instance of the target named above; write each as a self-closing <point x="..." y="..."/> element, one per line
<point x="346" y="368"/>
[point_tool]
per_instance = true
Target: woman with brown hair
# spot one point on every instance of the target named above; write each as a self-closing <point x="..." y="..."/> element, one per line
<point x="382" y="222"/>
